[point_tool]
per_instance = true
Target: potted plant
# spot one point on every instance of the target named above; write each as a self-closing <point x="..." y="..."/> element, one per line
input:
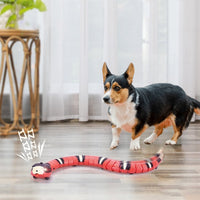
<point x="11" y="11"/>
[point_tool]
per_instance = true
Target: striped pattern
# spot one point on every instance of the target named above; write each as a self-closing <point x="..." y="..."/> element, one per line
<point x="81" y="158"/>
<point x="101" y="160"/>
<point x="125" y="165"/>
<point x="149" y="164"/>
<point x="60" y="161"/>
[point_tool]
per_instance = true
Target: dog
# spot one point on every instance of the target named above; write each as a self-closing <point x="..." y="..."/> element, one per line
<point x="135" y="109"/>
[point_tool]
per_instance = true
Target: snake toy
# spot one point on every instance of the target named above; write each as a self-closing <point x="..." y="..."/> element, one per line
<point x="44" y="170"/>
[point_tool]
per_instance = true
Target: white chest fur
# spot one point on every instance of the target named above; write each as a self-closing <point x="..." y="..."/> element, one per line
<point x="123" y="115"/>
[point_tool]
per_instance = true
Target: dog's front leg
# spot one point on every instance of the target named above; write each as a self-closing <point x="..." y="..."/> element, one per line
<point x="135" y="137"/>
<point x="115" y="137"/>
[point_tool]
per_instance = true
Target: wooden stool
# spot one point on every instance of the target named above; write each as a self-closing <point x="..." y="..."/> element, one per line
<point x="27" y="38"/>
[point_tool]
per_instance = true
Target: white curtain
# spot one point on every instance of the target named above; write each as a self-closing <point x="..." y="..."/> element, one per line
<point x="79" y="35"/>
<point x="159" y="36"/>
<point x="184" y="45"/>
<point x="73" y="57"/>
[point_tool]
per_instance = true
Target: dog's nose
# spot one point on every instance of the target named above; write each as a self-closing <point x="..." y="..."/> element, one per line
<point x="106" y="99"/>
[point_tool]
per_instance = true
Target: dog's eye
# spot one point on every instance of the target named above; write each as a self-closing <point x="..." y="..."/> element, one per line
<point x="116" y="88"/>
<point x="105" y="88"/>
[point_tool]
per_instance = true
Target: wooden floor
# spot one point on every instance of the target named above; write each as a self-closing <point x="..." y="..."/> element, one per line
<point x="178" y="177"/>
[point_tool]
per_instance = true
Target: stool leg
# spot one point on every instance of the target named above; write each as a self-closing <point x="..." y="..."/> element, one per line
<point x="15" y="79"/>
<point x="2" y="78"/>
<point x="21" y="88"/>
<point x="12" y="93"/>
<point x="2" y="90"/>
<point x="37" y="75"/>
<point x="30" y="92"/>
<point x="13" y="69"/>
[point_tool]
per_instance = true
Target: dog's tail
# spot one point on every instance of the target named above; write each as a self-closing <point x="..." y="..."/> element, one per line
<point x="196" y="105"/>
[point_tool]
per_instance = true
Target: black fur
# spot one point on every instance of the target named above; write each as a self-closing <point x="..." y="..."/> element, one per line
<point x="121" y="80"/>
<point x="156" y="102"/>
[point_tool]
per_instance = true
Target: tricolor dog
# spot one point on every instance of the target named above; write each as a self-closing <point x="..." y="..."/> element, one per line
<point x="135" y="109"/>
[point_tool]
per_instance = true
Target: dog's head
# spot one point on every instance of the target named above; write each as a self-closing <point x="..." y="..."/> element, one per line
<point x="116" y="88"/>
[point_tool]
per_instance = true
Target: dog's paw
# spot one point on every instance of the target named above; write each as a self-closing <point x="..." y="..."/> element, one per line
<point x="135" y="144"/>
<point x="134" y="147"/>
<point x="150" y="139"/>
<point x="114" y="145"/>
<point x="170" y="142"/>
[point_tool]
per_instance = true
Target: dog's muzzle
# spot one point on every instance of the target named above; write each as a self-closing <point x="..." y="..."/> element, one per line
<point x="106" y="99"/>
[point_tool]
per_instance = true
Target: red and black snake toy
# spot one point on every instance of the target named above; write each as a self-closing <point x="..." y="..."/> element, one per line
<point x="44" y="170"/>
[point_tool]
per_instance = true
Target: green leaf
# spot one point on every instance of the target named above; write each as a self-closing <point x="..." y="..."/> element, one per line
<point x="40" y="5"/>
<point x="6" y="8"/>
<point x="12" y="18"/>
<point x="7" y="1"/>
<point x="11" y="25"/>
<point x="25" y="3"/>
<point x="23" y="10"/>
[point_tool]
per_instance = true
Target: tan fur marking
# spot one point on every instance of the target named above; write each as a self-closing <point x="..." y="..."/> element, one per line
<point x="113" y="126"/>
<point x="197" y="111"/>
<point x="104" y="71"/>
<point x="164" y="124"/>
<point x="118" y="96"/>
<point x="124" y="95"/>
<point x="115" y="84"/>
<point x="167" y="122"/>
<point x="130" y="72"/>
<point x="177" y="131"/>
<point x="133" y="136"/>
<point x="107" y="85"/>
<point x="158" y="130"/>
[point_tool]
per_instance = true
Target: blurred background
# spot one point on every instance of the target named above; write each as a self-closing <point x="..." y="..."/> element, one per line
<point x="161" y="38"/>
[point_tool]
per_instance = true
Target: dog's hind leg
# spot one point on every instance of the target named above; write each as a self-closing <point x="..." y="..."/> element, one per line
<point x="158" y="131"/>
<point x="177" y="131"/>
<point x="175" y="137"/>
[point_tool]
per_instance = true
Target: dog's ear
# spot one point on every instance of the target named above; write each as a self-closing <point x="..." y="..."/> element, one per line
<point x="129" y="73"/>
<point x="106" y="72"/>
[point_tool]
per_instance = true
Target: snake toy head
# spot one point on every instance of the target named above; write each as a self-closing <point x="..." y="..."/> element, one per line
<point x="41" y="170"/>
